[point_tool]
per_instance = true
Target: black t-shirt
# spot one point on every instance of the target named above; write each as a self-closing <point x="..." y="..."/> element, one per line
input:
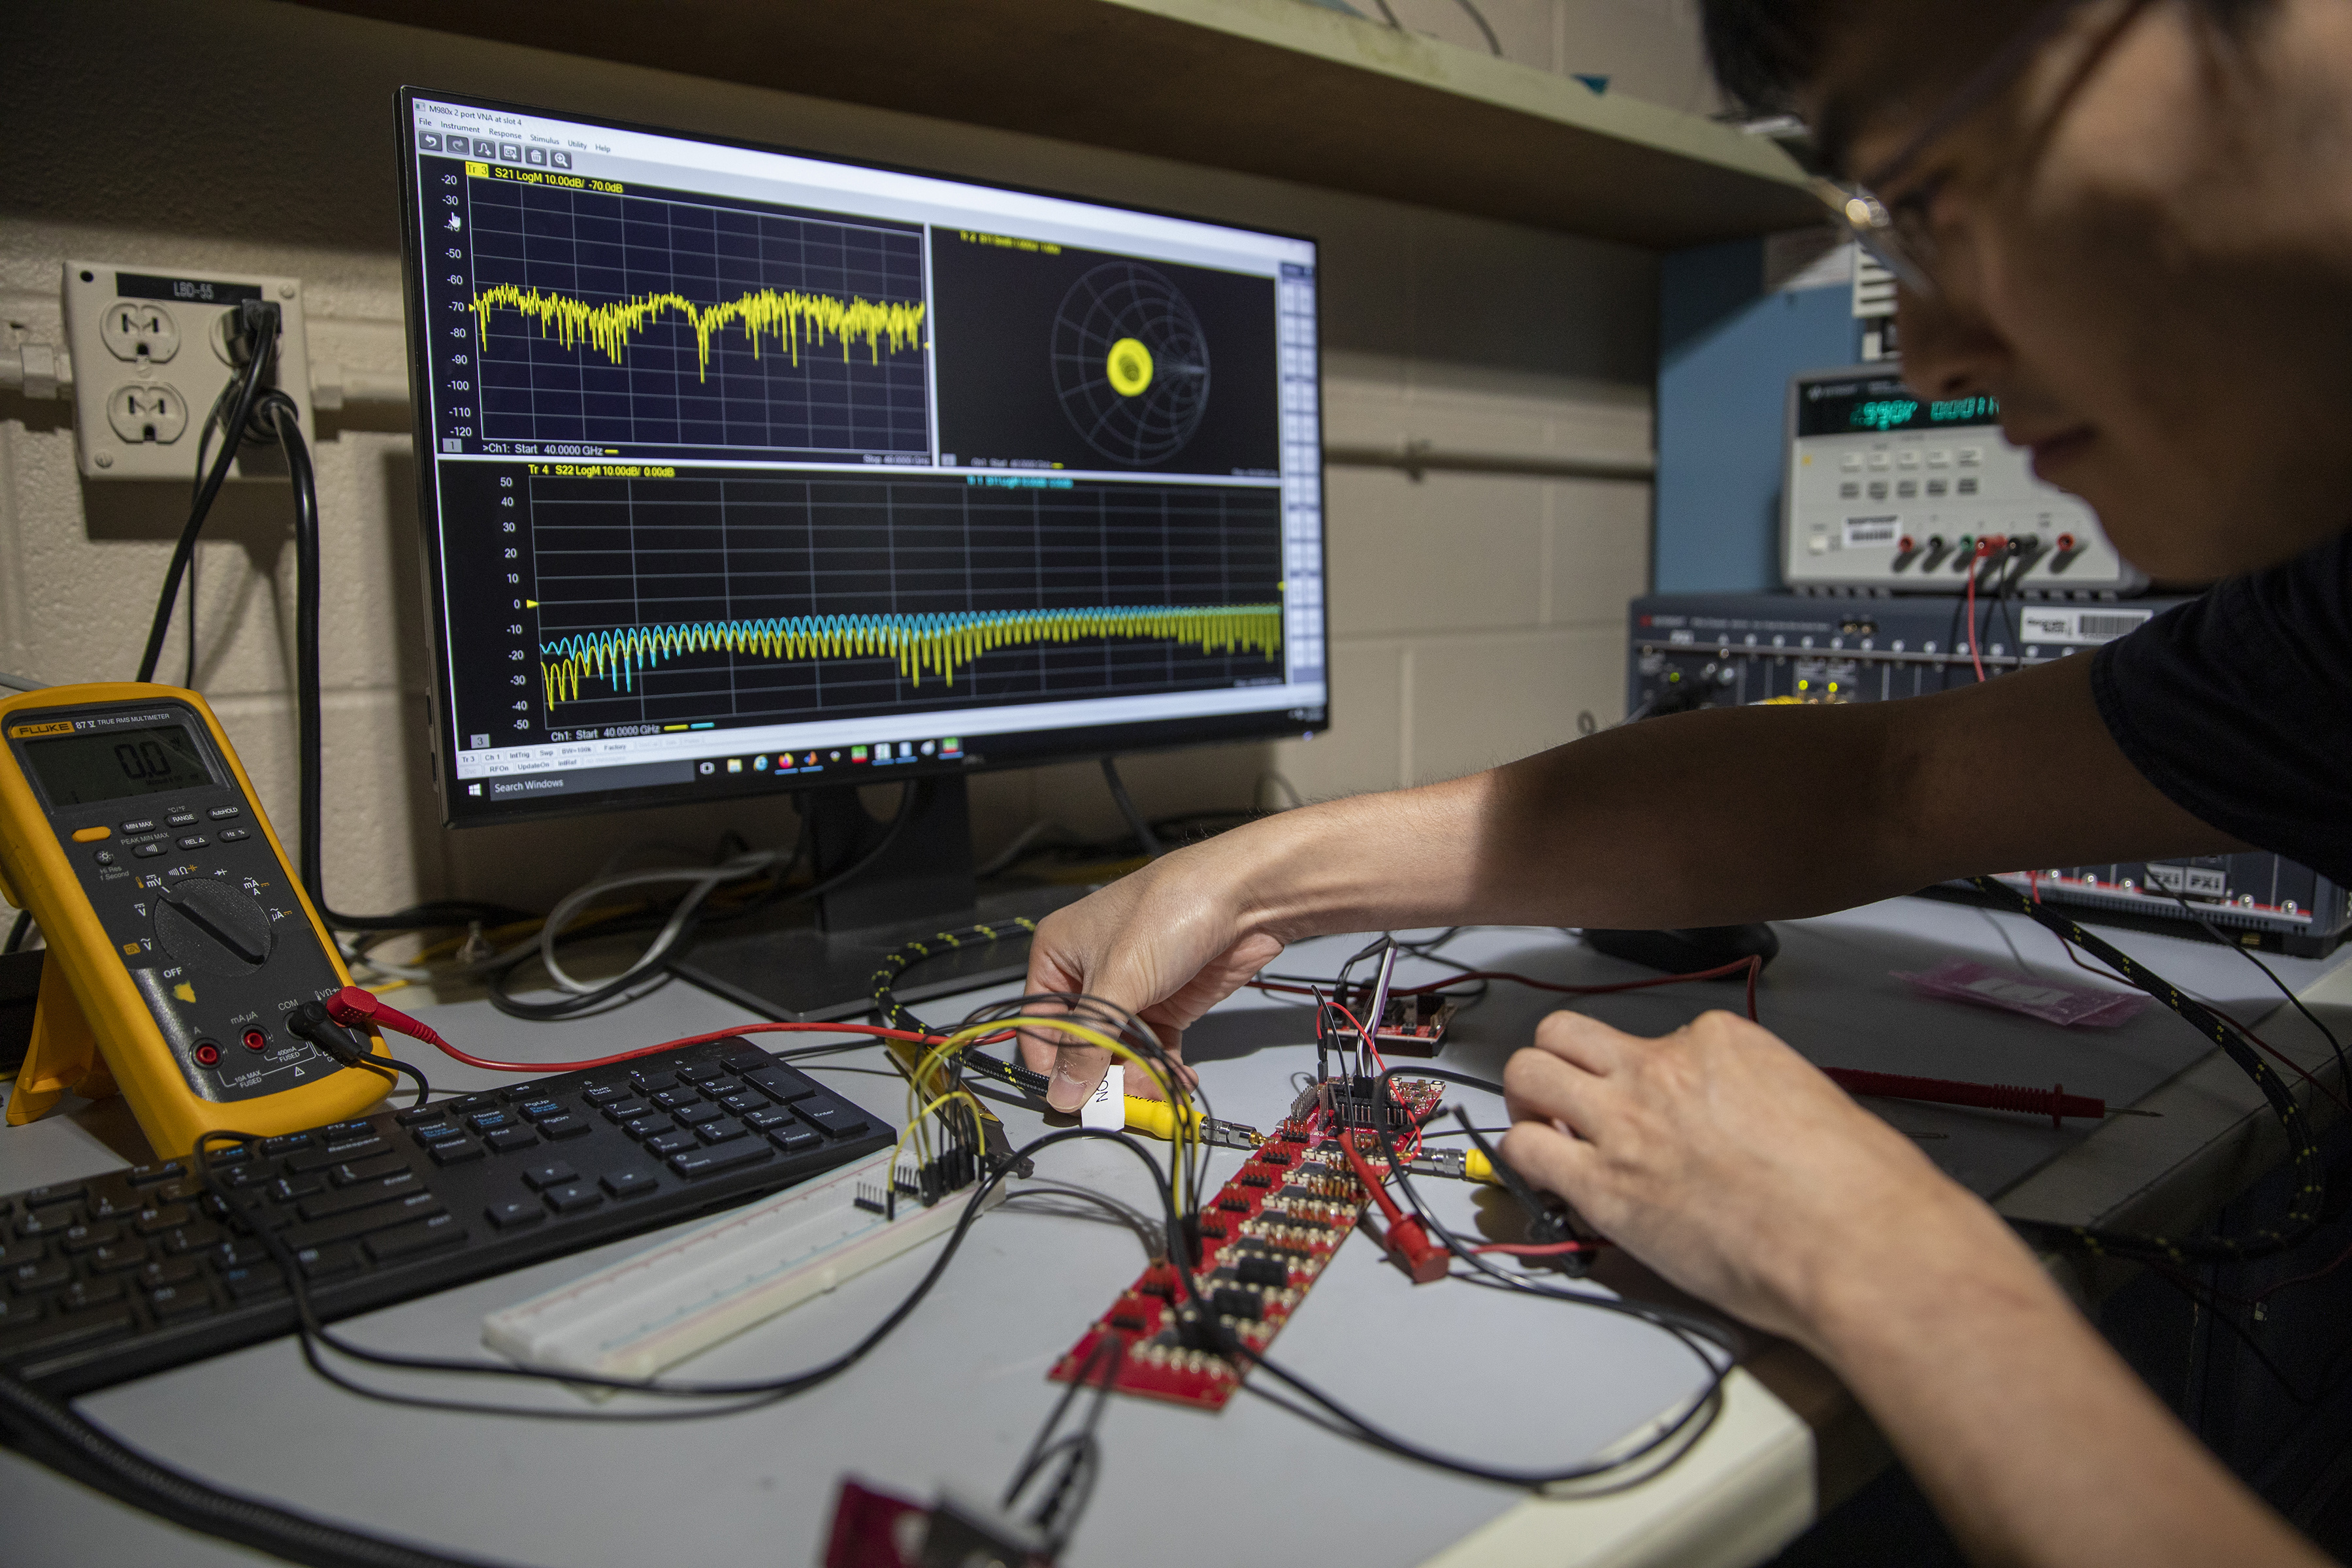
<point x="2238" y="706"/>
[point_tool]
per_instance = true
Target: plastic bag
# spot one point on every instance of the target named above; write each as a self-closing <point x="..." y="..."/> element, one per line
<point x="2052" y="1001"/>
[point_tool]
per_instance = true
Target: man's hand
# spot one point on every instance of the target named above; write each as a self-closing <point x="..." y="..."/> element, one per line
<point x="1164" y="943"/>
<point x="1727" y="1162"/>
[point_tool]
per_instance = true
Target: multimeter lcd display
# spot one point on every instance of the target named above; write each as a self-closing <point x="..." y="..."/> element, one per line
<point x="79" y="769"/>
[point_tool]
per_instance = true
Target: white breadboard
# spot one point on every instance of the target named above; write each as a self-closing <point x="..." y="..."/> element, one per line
<point x="635" y="1317"/>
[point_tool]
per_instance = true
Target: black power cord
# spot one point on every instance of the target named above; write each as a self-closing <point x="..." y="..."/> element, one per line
<point x="1136" y="821"/>
<point x="256" y="335"/>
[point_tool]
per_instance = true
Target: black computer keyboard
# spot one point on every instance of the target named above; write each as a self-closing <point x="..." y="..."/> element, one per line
<point x="142" y="1268"/>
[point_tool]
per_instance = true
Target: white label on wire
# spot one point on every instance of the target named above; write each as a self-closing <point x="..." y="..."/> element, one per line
<point x="1107" y="1107"/>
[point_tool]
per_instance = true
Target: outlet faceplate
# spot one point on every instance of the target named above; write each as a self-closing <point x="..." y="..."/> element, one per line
<point x="150" y="358"/>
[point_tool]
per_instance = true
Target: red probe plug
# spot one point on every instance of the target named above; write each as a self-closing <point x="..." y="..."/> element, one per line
<point x="1407" y="1242"/>
<point x="356" y="1009"/>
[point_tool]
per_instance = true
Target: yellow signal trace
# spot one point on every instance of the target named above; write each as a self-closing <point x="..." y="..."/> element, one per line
<point x="787" y="315"/>
<point x="937" y="644"/>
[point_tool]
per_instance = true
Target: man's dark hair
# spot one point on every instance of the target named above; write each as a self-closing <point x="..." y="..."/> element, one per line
<point x="1762" y="51"/>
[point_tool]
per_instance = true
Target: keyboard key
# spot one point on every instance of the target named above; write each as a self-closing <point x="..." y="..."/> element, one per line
<point x="83" y="1237"/>
<point x="186" y="1190"/>
<point x="626" y="1111"/>
<point x="511" y="1214"/>
<point x="111" y="1197"/>
<point x="652" y="1081"/>
<point x="51" y="1221"/>
<point x="605" y="1094"/>
<point x="562" y="1127"/>
<point x="782" y="1082"/>
<point x="170" y="1216"/>
<point x="46" y="1274"/>
<point x="326" y="1262"/>
<point x="66" y="1332"/>
<point x="240" y="1252"/>
<point x="699" y="1072"/>
<point x="433" y="1132"/>
<point x="745" y="1057"/>
<point x="55" y="1192"/>
<point x="770" y="1119"/>
<point x="692" y="1115"/>
<point x="835" y="1120"/>
<point x="441" y="1231"/>
<point x="627" y="1182"/>
<point x="723" y="1157"/>
<point x="353" y="1174"/>
<point x="345" y="1200"/>
<point x="721" y="1131"/>
<point x="84" y="1294"/>
<point x="417" y="1113"/>
<point x="163" y="1171"/>
<point x="194" y="1237"/>
<point x="489" y="1120"/>
<point x="273" y="1147"/>
<point x="515" y="1093"/>
<point x="512" y="1140"/>
<point x="645" y="1127"/>
<point x="572" y="1199"/>
<point x="129" y="1255"/>
<point x="674" y="1099"/>
<point x="175" y="1303"/>
<point x="337" y="1152"/>
<point x="554" y="1174"/>
<point x="16" y="1311"/>
<point x="671" y="1143"/>
<point x="542" y="1110"/>
<point x="292" y="1189"/>
<point x="170" y="1271"/>
<point x="465" y="1103"/>
<point x="17" y="1252"/>
<point x="742" y="1100"/>
<point x="254" y="1283"/>
<point x="457" y="1152"/>
<point x="382" y="1216"/>
<point x="793" y="1140"/>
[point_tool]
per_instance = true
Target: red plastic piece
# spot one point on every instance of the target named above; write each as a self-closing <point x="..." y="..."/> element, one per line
<point x="207" y="1054"/>
<point x="255" y="1040"/>
<point x="2053" y="1102"/>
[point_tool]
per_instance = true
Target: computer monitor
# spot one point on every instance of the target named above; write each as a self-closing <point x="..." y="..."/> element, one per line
<point x="744" y="470"/>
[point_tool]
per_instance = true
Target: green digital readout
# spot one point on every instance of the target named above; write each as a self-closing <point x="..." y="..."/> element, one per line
<point x="1881" y="404"/>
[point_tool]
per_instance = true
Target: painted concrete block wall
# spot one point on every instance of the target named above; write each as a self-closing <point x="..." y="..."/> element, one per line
<point x="1728" y="346"/>
<point x="1474" y="616"/>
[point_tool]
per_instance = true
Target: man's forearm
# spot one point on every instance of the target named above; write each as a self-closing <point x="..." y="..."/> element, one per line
<point x="1727" y="815"/>
<point x="2036" y="1443"/>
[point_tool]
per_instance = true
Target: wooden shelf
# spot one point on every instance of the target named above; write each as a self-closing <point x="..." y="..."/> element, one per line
<point x="1266" y="87"/>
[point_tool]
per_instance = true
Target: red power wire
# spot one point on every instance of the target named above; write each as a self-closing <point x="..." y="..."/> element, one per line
<point x="1984" y="548"/>
<point x="351" y="1007"/>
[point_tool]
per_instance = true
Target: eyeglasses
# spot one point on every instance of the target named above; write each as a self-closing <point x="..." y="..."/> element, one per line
<point x="1898" y="234"/>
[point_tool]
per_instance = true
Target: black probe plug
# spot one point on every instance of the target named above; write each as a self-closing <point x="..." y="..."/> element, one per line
<point x="313" y="1023"/>
<point x="251" y="330"/>
<point x="1548" y="1223"/>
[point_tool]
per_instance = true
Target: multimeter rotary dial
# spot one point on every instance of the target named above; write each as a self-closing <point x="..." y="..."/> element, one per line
<point x="212" y="928"/>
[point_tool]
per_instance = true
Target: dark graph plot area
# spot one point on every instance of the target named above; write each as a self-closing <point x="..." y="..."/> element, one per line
<point x="1101" y="362"/>
<point x="673" y="321"/>
<point x="764" y="599"/>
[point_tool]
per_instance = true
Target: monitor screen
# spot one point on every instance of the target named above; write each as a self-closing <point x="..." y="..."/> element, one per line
<point x="743" y="469"/>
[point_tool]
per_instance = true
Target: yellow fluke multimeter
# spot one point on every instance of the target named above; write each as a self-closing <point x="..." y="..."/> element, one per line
<point x="179" y="941"/>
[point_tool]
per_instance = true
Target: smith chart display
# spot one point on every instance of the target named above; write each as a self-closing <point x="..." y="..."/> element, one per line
<point x="747" y="465"/>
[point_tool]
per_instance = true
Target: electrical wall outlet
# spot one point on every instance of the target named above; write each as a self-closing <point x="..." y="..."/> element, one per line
<point x="150" y="356"/>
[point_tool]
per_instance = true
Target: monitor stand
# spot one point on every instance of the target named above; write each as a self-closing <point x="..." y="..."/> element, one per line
<point x="787" y="970"/>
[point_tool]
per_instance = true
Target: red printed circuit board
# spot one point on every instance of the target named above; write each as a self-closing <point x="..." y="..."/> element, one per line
<point x="1265" y="1238"/>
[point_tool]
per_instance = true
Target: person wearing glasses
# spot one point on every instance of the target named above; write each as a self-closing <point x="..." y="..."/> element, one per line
<point x="2130" y="221"/>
